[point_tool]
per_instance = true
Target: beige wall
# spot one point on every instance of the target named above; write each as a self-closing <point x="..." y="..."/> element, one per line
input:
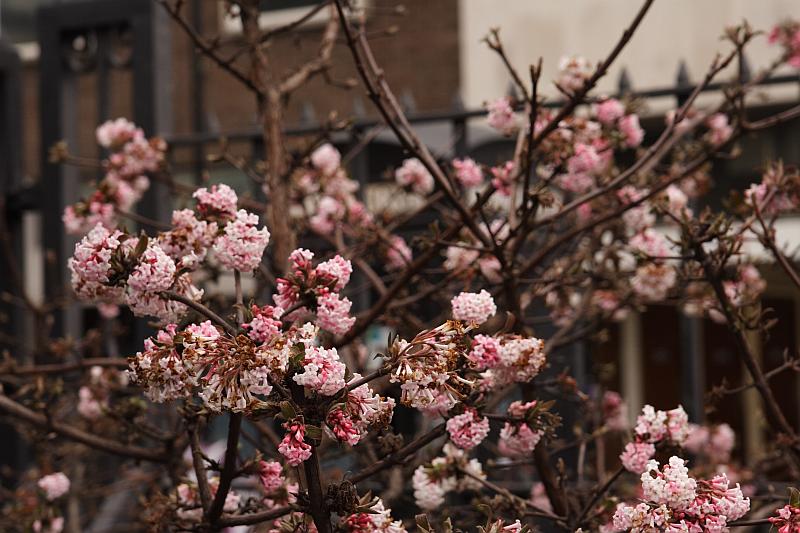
<point x="672" y="30"/>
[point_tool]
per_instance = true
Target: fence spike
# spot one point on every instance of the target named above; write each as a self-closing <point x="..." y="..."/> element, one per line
<point x="624" y="83"/>
<point x="457" y="103"/>
<point x="307" y="114"/>
<point x="744" y="69"/>
<point x="407" y="101"/>
<point x="359" y="111"/>
<point x="511" y="91"/>
<point x="682" y="79"/>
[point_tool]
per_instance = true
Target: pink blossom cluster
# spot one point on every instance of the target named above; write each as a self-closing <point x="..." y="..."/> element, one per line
<point x="468" y="429"/>
<point x="91" y="265"/>
<point x="473" y="307"/>
<point x="398" y="253"/>
<point x="787" y="35"/>
<point x="465" y="261"/>
<point x="432" y="482"/>
<point x="131" y="158"/>
<point x="293" y="446"/>
<point x="653" y="427"/>
<point x="506" y="359"/>
<point x="189" y="239"/>
<point x="325" y="187"/>
<point x="503" y="177"/>
<point x="323" y="371"/>
<point x="270" y="473"/>
<point x="674" y="501"/>
<point x="427" y="368"/>
<point x="501" y="116"/>
<point x="787" y="519"/>
<point x="573" y="73"/>
<point x="54" y="485"/>
<point x="614" y="411"/>
<point x="518" y="438"/>
<point x="242" y="243"/>
<point x="468" y="172"/>
<point x="413" y="175"/>
<point x="307" y="288"/>
<point x="719" y="129"/>
<point x="712" y="442"/>
<point x="377" y="519"/>
<point x="361" y="410"/>
<point x="217" y="203"/>
<point x="778" y="191"/>
<point x="265" y="324"/>
<point x="225" y="372"/>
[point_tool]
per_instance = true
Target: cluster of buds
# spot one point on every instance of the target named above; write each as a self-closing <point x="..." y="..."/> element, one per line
<point x="452" y="472"/>
<point x="113" y="267"/>
<point x="324" y="188"/>
<point x="371" y="516"/>
<point x="360" y="410"/>
<point x="307" y="289"/>
<point x="674" y="501"/>
<point x="504" y="359"/>
<point x="132" y="157"/>
<point x="652" y="428"/>
<point x="426" y="367"/>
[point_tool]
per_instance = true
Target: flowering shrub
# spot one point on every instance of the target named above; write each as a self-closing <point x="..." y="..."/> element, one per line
<point x="588" y="222"/>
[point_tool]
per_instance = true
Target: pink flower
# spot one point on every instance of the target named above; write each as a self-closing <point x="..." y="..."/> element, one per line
<point x="242" y="244"/>
<point x="473" y="307"/>
<point x="329" y="212"/>
<point x="573" y="73"/>
<point x="155" y="271"/>
<point x="503" y="177"/>
<point x="787" y="519"/>
<point x="293" y="447"/>
<point x="217" y="203"/>
<point x="719" y="130"/>
<point x="323" y="371"/>
<point x="326" y="159"/>
<point x="609" y="111"/>
<point x="266" y="323"/>
<point x="271" y="475"/>
<point x="343" y="426"/>
<point x="90" y="265"/>
<point x="335" y="272"/>
<point x="398" y="255"/>
<point x="413" y="174"/>
<point x="653" y="281"/>
<point x="614" y="411"/>
<point x="518" y="440"/>
<point x="651" y="243"/>
<point x="333" y="313"/>
<point x="468" y="172"/>
<point x="54" y="485"/>
<point x="632" y="132"/>
<point x="636" y="455"/>
<point x="114" y="134"/>
<point x="467" y="430"/>
<point x="485" y="352"/>
<point x="501" y="116"/>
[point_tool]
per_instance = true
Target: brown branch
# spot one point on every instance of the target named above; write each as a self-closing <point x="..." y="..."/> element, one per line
<point x="202" y="309"/>
<point x="228" y="469"/>
<point x="93" y="441"/>
<point x="9" y="368"/>
<point x="398" y="456"/>
<point x="319" y="63"/>
<point x="208" y="49"/>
